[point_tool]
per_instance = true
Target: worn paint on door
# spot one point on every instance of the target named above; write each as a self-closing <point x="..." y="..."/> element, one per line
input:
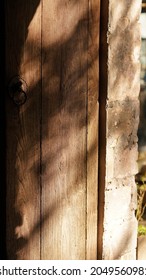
<point x="52" y="139"/>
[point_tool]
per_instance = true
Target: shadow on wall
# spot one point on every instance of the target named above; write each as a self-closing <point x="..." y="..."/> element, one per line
<point x="17" y="19"/>
<point x="120" y="235"/>
<point x="43" y="144"/>
<point x="64" y="76"/>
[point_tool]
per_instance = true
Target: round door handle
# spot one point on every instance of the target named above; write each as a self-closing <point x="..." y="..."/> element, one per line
<point x="19" y="97"/>
<point x="17" y="90"/>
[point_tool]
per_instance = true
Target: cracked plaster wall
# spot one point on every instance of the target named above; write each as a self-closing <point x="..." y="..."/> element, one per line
<point x="122" y="119"/>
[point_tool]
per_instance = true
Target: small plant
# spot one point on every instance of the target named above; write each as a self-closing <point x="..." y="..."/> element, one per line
<point x="141" y="230"/>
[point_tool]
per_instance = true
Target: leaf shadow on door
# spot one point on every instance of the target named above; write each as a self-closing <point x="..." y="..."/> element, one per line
<point x="47" y="139"/>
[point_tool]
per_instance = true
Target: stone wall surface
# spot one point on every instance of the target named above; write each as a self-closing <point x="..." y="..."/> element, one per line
<point x="122" y="119"/>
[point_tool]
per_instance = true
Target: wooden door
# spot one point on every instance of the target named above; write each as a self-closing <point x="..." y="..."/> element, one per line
<point x="52" y="139"/>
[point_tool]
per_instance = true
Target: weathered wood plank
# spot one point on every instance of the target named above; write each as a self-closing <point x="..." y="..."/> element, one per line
<point x="23" y="41"/>
<point x="64" y="87"/>
<point x="92" y="126"/>
<point x="52" y="182"/>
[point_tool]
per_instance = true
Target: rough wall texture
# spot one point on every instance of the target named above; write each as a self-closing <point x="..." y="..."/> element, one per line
<point x="122" y="114"/>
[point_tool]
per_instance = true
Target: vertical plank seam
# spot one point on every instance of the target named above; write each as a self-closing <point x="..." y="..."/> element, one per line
<point x="98" y="101"/>
<point x="41" y="109"/>
<point x="86" y="218"/>
<point x="103" y="80"/>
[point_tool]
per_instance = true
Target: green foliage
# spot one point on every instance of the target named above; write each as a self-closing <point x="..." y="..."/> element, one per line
<point x="141" y="230"/>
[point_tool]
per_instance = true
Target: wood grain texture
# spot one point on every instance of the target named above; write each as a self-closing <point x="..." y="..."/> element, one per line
<point x="52" y="140"/>
<point x="23" y="34"/>
<point x="64" y="129"/>
<point x="92" y="128"/>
